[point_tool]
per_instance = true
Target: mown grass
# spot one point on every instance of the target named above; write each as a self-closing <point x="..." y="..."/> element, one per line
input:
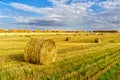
<point x="78" y="59"/>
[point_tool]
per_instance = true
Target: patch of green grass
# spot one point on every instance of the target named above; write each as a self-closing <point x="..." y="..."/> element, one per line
<point x="113" y="73"/>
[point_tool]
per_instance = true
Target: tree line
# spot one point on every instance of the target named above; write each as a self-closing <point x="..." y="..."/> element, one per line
<point x="106" y="31"/>
<point x="53" y="31"/>
<point x="37" y="31"/>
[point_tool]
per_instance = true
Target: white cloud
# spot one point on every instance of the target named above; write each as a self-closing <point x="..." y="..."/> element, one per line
<point x="3" y="3"/>
<point x="21" y="19"/>
<point x="58" y="2"/>
<point x="111" y="4"/>
<point x="105" y="20"/>
<point x="1" y="16"/>
<point x="28" y="8"/>
<point x="54" y="17"/>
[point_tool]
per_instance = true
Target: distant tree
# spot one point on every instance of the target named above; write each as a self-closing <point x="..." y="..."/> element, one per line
<point x="2" y="31"/>
<point x="37" y="31"/>
<point x="18" y="31"/>
<point x="106" y="31"/>
<point x="12" y="31"/>
<point x="47" y="31"/>
<point x="60" y="31"/>
<point x="25" y="31"/>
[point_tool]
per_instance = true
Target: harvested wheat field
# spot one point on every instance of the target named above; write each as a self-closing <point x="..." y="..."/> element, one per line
<point x="51" y="57"/>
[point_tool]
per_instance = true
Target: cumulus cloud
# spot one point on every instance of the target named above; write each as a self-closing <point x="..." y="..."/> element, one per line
<point x="111" y="4"/>
<point x="105" y="20"/>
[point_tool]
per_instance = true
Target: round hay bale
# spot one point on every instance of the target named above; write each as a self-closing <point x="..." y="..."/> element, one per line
<point x="87" y="34"/>
<point x="74" y="34"/>
<point x="27" y="36"/>
<point x="97" y="40"/>
<point x="67" y="39"/>
<point x="20" y="35"/>
<point x="40" y="51"/>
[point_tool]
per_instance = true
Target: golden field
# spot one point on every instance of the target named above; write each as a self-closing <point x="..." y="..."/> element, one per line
<point x="80" y="58"/>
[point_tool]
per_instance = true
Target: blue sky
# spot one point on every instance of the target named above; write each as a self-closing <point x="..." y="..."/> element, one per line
<point x="60" y="14"/>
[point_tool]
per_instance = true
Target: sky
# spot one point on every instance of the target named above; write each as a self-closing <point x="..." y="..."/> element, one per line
<point x="60" y="14"/>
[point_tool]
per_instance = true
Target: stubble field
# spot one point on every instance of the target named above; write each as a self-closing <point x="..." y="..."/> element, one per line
<point x="80" y="58"/>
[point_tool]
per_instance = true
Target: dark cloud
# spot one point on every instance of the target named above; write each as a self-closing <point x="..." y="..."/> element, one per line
<point x="115" y="22"/>
<point x="44" y="23"/>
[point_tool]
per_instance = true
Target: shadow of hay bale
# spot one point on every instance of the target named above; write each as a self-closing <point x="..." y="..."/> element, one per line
<point x="17" y="57"/>
<point x="114" y="41"/>
<point x="75" y="35"/>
